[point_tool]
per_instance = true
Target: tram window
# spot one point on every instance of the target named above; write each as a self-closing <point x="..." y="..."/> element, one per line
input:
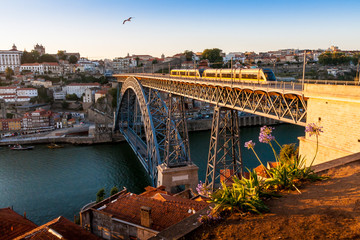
<point x="191" y="73"/>
<point x="224" y="75"/>
<point x="182" y="73"/>
<point x="237" y="75"/>
<point x="210" y="75"/>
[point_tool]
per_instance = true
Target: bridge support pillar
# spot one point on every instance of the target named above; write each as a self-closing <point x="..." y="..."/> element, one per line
<point x="336" y="108"/>
<point x="171" y="178"/>
<point x="224" y="159"/>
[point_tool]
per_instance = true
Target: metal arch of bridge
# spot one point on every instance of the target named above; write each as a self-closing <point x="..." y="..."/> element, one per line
<point x="287" y="106"/>
<point x="143" y="119"/>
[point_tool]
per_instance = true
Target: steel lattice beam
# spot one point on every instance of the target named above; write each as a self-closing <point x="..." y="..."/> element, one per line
<point x="287" y="106"/>
<point x="224" y="159"/>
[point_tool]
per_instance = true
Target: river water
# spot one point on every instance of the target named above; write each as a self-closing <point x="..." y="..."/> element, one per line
<point x="46" y="183"/>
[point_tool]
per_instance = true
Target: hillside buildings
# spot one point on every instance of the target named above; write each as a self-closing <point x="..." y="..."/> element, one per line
<point x="17" y="94"/>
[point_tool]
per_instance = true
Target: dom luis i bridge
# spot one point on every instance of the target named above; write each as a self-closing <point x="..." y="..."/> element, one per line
<point x="157" y="131"/>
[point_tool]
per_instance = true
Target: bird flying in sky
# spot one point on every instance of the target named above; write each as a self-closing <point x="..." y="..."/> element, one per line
<point x="127" y="20"/>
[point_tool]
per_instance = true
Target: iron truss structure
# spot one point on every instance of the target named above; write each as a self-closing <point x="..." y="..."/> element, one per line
<point x="150" y="128"/>
<point x="287" y="105"/>
<point x="224" y="159"/>
<point x="158" y="134"/>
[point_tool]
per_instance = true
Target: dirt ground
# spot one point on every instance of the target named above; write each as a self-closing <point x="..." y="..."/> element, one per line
<point x="328" y="209"/>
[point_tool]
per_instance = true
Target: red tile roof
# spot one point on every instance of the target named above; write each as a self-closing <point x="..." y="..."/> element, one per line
<point x="26" y="89"/>
<point x="151" y="191"/>
<point x="13" y="224"/>
<point x="8" y="87"/>
<point x="85" y="84"/>
<point x="165" y="212"/>
<point x="57" y="228"/>
<point x="10" y="119"/>
<point x="261" y="171"/>
<point x="102" y="92"/>
<point x="30" y="64"/>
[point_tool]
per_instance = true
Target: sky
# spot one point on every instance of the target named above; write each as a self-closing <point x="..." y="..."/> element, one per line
<point x="95" y="28"/>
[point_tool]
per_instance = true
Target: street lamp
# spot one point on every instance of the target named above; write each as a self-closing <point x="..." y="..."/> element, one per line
<point x="303" y="77"/>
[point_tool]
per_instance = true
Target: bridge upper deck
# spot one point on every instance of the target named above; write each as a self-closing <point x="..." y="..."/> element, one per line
<point x="280" y="87"/>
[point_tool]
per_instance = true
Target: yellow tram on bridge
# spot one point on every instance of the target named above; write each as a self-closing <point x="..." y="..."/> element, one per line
<point x="259" y="75"/>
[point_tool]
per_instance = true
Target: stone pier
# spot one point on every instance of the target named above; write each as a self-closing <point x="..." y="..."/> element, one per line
<point x="186" y="176"/>
<point x="337" y="109"/>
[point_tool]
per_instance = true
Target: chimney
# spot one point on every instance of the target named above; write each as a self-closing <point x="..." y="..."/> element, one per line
<point x="145" y="215"/>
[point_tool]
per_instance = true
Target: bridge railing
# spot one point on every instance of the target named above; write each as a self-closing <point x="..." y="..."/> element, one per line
<point x="276" y="85"/>
<point x="279" y="86"/>
<point x="331" y="82"/>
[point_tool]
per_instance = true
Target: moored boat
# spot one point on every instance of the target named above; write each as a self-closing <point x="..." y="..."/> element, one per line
<point x="54" y="145"/>
<point x="19" y="147"/>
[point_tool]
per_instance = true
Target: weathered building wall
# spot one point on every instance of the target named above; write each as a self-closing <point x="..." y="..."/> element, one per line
<point x="337" y="110"/>
<point x="105" y="226"/>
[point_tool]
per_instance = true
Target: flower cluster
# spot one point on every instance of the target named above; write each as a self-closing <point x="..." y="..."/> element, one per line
<point x="313" y="129"/>
<point x="210" y="217"/>
<point x="202" y="189"/>
<point x="265" y="134"/>
<point x="249" y="144"/>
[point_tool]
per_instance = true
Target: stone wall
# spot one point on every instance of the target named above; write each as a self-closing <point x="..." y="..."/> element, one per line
<point x="97" y="116"/>
<point x="337" y="110"/>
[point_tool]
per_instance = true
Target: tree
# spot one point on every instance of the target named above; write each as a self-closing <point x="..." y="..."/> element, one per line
<point x="27" y="57"/>
<point x="65" y="104"/>
<point x="73" y="59"/>
<point x="9" y="73"/>
<point x="113" y="93"/>
<point x="72" y="97"/>
<point x="114" y="190"/>
<point x="188" y="55"/>
<point x="100" y="195"/>
<point x="61" y="55"/>
<point x="214" y="56"/>
<point x="47" y="58"/>
<point x="155" y="61"/>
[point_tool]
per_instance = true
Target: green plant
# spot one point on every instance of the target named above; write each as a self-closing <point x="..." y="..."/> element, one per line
<point x="100" y="195"/>
<point x="114" y="190"/>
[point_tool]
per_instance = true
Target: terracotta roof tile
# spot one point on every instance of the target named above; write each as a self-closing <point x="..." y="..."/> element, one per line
<point x="164" y="213"/>
<point x="272" y="164"/>
<point x="151" y="191"/>
<point x="85" y="84"/>
<point x="261" y="170"/>
<point x="56" y="228"/>
<point x="12" y="224"/>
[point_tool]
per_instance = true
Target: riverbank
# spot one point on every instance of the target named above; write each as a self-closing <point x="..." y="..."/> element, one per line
<point x="70" y="135"/>
<point x="327" y="209"/>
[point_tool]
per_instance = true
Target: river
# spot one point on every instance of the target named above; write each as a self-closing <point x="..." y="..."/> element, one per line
<point x="46" y="183"/>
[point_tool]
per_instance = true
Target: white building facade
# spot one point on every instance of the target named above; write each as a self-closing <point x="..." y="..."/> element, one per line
<point x="10" y="58"/>
<point x="79" y="88"/>
<point x="28" y="92"/>
<point x="41" y="68"/>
